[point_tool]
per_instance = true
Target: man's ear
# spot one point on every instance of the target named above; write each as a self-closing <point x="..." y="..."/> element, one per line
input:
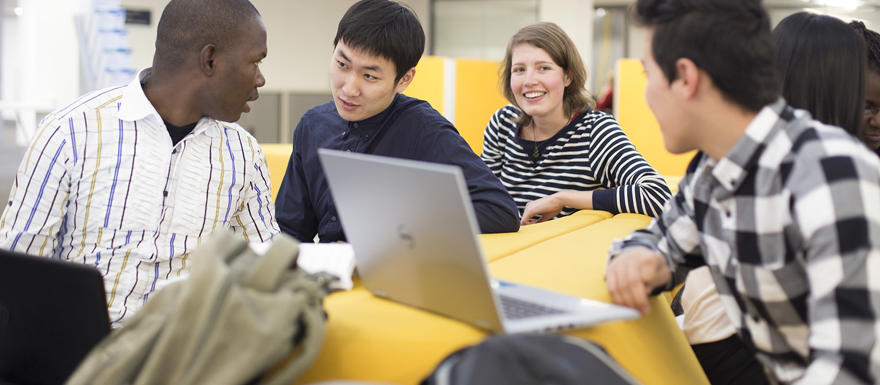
<point x="405" y="80"/>
<point x="207" y="57"/>
<point x="688" y="80"/>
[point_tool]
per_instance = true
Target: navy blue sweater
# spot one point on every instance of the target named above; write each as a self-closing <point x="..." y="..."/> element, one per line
<point x="409" y="128"/>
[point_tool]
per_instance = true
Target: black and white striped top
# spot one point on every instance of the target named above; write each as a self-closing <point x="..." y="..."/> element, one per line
<point x="591" y="153"/>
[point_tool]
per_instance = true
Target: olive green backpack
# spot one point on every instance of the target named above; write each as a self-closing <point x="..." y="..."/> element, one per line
<point x="236" y="318"/>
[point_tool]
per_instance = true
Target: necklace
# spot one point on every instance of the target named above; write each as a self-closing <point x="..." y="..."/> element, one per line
<point x="536" y="151"/>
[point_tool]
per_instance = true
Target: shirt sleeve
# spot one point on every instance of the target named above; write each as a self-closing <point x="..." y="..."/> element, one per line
<point x="293" y="208"/>
<point x="495" y="210"/>
<point x="255" y="218"/>
<point x="674" y="233"/>
<point x="34" y="214"/>
<point x="492" y="153"/>
<point x="632" y="185"/>
<point x="837" y="213"/>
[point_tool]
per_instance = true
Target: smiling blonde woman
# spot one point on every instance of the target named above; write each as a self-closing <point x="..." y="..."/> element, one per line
<point x="551" y="149"/>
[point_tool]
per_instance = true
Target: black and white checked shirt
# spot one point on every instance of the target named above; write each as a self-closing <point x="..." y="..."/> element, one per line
<point x="789" y="225"/>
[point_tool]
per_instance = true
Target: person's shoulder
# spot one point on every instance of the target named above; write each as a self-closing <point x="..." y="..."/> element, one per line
<point x="809" y="138"/>
<point x="411" y="107"/>
<point x="509" y="112"/>
<point x="506" y="117"/>
<point x="321" y="111"/>
<point x="815" y="146"/>
<point x="88" y="102"/>
<point x="238" y="130"/>
<point x="598" y="118"/>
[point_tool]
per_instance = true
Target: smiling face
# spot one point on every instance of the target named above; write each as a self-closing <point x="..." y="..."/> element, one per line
<point x="363" y="85"/>
<point x="537" y="82"/>
<point x="870" y="131"/>
<point x="238" y="73"/>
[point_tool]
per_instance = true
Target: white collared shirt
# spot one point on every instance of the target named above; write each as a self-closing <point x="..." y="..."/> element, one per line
<point x="102" y="185"/>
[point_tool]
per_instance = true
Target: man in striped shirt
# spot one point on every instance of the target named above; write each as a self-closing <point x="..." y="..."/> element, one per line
<point x="784" y="211"/>
<point x="132" y="178"/>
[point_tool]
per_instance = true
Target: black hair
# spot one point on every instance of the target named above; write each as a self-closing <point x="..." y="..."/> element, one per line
<point x="821" y="64"/>
<point x="383" y="28"/>
<point x="872" y="44"/>
<point x="188" y="25"/>
<point x="728" y="39"/>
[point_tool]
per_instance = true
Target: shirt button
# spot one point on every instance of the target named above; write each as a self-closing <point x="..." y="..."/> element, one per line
<point x="165" y="193"/>
<point x="174" y="151"/>
<point x="333" y="219"/>
<point x="354" y="125"/>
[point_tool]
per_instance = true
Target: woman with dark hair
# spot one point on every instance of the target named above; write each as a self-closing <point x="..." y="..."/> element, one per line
<point x="550" y="148"/>
<point x="870" y="129"/>
<point x="820" y="61"/>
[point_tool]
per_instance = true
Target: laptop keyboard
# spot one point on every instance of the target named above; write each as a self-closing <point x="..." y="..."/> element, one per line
<point x="515" y="308"/>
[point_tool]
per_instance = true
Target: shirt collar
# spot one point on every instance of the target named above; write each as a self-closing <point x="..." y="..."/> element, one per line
<point x="732" y="169"/>
<point x="136" y="106"/>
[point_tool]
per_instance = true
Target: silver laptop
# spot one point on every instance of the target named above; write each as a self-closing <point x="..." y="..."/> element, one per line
<point x="412" y="227"/>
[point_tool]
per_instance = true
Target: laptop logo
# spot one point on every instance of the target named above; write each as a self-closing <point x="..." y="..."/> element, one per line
<point x="406" y="236"/>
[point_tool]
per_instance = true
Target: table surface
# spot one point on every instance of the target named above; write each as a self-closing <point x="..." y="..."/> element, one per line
<point x="372" y="339"/>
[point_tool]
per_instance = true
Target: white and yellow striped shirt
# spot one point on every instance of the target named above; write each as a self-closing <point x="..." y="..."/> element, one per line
<point x="102" y="185"/>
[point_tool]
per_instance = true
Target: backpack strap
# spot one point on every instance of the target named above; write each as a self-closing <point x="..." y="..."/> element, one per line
<point x="297" y="362"/>
<point x="267" y="271"/>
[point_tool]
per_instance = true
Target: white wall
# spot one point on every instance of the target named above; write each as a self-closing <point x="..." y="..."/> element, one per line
<point x="41" y="53"/>
<point x="575" y="17"/>
<point x="869" y="15"/>
<point x="299" y="38"/>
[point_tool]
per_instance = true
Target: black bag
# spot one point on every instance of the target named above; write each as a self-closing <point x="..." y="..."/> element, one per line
<point x="529" y="359"/>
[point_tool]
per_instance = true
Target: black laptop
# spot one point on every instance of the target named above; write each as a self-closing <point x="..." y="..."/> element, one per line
<point x="51" y="314"/>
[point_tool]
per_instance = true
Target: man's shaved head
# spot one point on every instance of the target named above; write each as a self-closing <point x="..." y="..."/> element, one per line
<point x="188" y="25"/>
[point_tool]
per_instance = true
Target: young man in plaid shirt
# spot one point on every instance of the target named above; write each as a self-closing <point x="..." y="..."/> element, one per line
<point x="783" y="210"/>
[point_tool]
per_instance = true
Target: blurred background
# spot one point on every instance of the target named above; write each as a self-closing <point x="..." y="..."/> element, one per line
<point x="52" y="51"/>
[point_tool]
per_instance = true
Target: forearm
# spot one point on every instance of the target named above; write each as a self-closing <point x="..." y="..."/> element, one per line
<point x="581" y="200"/>
<point x="493" y="217"/>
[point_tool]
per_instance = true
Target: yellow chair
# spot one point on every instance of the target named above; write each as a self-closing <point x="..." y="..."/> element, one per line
<point x="638" y="122"/>
<point x="277" y="156"/>
<point x="477" y="97"/>
<point x="476" y="94"/>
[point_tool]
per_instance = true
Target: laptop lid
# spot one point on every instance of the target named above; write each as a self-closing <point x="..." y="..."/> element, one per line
<point x="400" y="216"/>
<point x="51" y="314"/>
<point x="413" y="230"/>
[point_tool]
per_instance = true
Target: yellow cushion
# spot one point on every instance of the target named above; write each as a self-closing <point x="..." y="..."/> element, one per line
<point x="497" y="246"/>
<point x="428" y="82"/>
<point x="277" y="156"/>
<point x="638" y="122"/>
<point x="477" y="97"/>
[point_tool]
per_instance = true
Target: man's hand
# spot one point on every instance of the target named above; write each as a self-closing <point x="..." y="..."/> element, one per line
<point x="545" y="208"/>
<point x="633" y="274"/>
